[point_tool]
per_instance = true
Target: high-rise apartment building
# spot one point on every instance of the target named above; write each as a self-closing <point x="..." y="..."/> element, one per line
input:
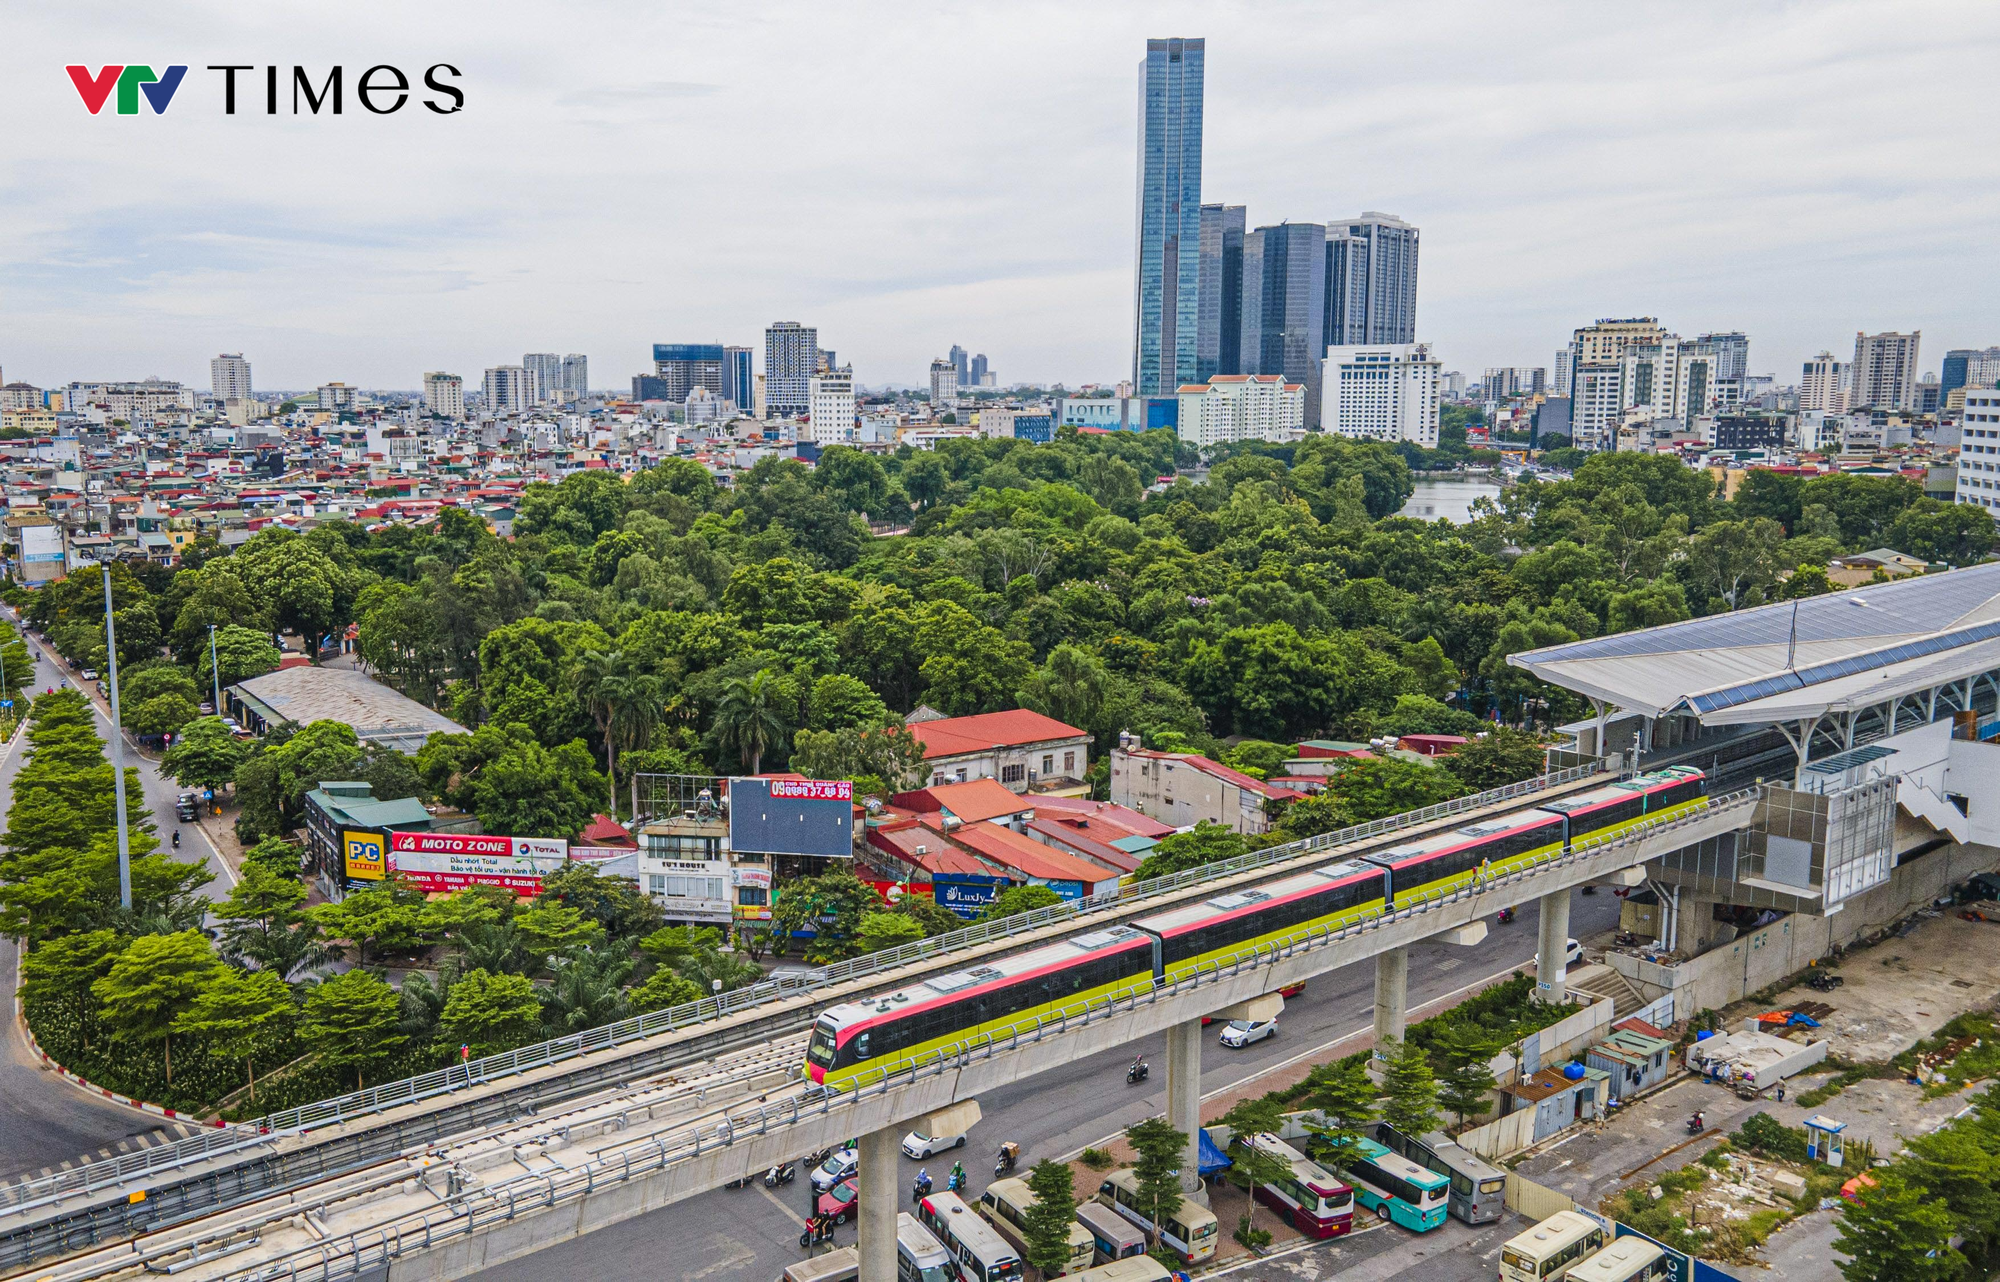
<point x="545" y="375"/>
<point x="1823" y="385"/>
<point x="575" y="375"/>
<point x="957" y="357"/>
<point x="1505" y="382"/>
<point x="508" y="389"/>
<point x="1978" y="480"/>
<point x="739" y="377"/>
<point x="1241" y="407"/>
<point x="1884" y="373"/>
<point x="1383" y="392"/>
<point x="1219" y="348"/>
<point x="336" y="396"/>
<point x="1167" y="288"/>
<point x="1565" y="366"/>
<point x="229" y="377"/>
<point x="1732" y="355"/>
<point x="682" y="367"/>
<point x="1597" y="385"/>
<point x="830" y="406"/>
<point x="791" y="358"/>
<point x="1284" y="306"/>
<point x="981" y="375"/>
<point x="1371" y="280"/>
<point x="444" y="394"/>
<point x="944" y="383"/>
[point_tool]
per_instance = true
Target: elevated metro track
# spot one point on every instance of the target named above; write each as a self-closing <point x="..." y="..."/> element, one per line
<point x="450" y="1209"/>
<point x="81" y="1208"/>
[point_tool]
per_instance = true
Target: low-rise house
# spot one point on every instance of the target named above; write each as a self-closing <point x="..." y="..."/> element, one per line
<point x="1023" y="750"/>
<point x="977" y="801"/>
<point x="1185" y="789"/>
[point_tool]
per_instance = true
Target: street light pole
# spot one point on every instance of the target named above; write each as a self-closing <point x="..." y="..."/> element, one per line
<point x="214" y="670"/>
<point x="117" y="749"/>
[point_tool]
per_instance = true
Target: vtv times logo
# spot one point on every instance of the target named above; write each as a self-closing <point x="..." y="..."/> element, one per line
<point x="381" y="90"/>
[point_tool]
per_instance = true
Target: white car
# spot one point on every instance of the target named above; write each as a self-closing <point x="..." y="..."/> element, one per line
<point x="1572" y="954"/>
<point x="917" y="1146"/>
<point x="842" y="1165"/>
<point x="1242" y="1032"/>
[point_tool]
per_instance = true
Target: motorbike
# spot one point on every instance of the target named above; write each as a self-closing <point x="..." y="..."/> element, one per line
<point x="818" y="1229"/>
<point x="1010" y="1153"/>
<point x="1696" y="1124"/>
<point x="920" y="1188"/>
<point x="1136" y="1073"/>
<point x="1626" y="939"/>
<point x="956" y="1180"/>
<point x="743" y="1183"/>
<point x="1506" y="916"/>
<point x="177" y="839"/>
<point x="782" y="1173"/>
<point x="818" y="1156"/>
<point x="1821" y="982"/>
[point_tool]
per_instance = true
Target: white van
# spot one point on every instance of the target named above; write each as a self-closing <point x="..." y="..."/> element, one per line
<point x="1005" y="1205"/>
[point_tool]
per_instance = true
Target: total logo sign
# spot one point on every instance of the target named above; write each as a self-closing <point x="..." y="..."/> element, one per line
<point x="381" y="90"/>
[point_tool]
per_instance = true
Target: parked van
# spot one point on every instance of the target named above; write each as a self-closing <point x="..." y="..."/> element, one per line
<point x="919" y="1258"/>
<point x="1190" y="1232"/>
<point x="1005" y="1204"/>
<point x="1140" y="1268"/>
<point x="1113" y="1237"/>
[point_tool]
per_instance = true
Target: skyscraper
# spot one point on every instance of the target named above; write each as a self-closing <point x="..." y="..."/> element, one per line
<point x="1284" y="306"/>
<point x="1823" y="386"/>
<point x="508" y="389"/>
<point x="444" y="394"/>
<point x="1598" y="391"/>
<point x="682" y="367"/>
<point x="1963" y="367"/>
<point x="1565" y="362"/>
<point x="944" y="383"/>
<point x="1219" y="349"/>
<point x="1371" y="280"/>
<point x="576" y="374"/>
<point x="1166" y="297"/>
<point x="739" y="376"/>
<point x="1732" y="354"/>
<point x="791" y="358"/>
<point x="545" y="375"/>
<point x="981" y="375"/>
<point x="1884" y="373"/>
<point x="229" y="377"/>
<point x="957" y="357"/>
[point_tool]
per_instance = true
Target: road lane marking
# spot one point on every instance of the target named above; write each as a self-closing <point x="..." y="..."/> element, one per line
<point x="774" y="1200"/>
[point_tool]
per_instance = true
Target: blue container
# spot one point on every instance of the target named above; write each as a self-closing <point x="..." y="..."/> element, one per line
<point x="1573" y="1071"/>
<point x="1704" y="1034"/>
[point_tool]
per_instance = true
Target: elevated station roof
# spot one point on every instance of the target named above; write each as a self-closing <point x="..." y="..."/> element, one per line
<point x="1793" y="660"/>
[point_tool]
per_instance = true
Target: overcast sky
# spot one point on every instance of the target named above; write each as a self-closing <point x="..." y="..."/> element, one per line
<point x="907" y="176"/>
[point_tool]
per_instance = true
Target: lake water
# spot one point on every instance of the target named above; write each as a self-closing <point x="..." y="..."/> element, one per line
<point x="1451" y="500"/>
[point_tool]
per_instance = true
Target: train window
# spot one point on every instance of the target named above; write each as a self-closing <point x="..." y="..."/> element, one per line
<point x="861" y="1044"/>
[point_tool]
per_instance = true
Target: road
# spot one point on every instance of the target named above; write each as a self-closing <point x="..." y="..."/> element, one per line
<point x="752" y="1233"/>
<point x="45" y="1121"/>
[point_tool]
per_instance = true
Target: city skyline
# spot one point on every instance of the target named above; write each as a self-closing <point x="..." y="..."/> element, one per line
<point x="131" y="252"/>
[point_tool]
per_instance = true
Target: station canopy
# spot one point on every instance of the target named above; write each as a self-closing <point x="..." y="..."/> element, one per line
<point x="1793" y="660"/>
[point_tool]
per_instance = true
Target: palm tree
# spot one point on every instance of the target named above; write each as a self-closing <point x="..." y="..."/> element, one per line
<point x="587" y="991"/>
<point x="747" y="718"/>
<point x="624" y="702"/>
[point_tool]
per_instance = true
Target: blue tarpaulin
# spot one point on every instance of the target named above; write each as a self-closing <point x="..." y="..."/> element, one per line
<point x="1212" y="1158"/>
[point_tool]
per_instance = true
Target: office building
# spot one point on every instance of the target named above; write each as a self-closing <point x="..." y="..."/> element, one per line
<point x="229" y="377"/>
<point x="444" y="394"/>
<point x="1597" y="389"/>
<point x="508" y="389"/>
<point x="1167" y="288"/>
<point x="1929" y="395"/>
<point x="1385" y="392"/>
<point x="1510" y="381"/>
<point x="944" y="384"/>
<point x="1565" y="365"/>
<point x="1242" y="407"/>
<point x="1979" y="451"/>
<point x="1732" y="355"/>
<point x="1453" y="385"/>
<point x="1968" y="367"/>
<point x="1284" y="306"/>
<point x="791" y="358"/>
<point x="545" y="376"/>
<point x="830" y="406"/>
<point x="1219" y="347"/>
<point x="1884" y="373"/>
<point x="336" y="396"/>
<point x="575" y="375"/>
<point x="957" y="357"/>
<point x="981" y="375"/>
<point x="739" y="377"/>
<point x="1823" y="385"/>
<point x="682" y="367"/>
<point x="1371" y="281"/>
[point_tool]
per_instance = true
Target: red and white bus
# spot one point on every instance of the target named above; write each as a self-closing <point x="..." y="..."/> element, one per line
<point x="1313" y="1201"/>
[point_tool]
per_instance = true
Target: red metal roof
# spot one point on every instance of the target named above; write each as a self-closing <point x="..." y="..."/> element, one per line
<point x="955" y="736"/>
<point x="971" y="801"/>
<point x="1012" y="850"/>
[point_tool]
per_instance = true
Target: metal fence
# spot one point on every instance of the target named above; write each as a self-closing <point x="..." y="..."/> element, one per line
<point x="360" y="1251"/>
<point x="126" y="1167"/>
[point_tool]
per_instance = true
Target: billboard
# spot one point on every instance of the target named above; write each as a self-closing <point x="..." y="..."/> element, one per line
<point x="441" y="862"/>
<point x="968" y="895"/>
<point x="363" y="855"/>
<point x="792" y="817"/>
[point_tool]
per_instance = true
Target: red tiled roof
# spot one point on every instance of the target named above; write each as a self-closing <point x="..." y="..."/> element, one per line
<point x="938" y="855"/>
<point x="1028" y="856"/>
<point x="603" y="830"/>
<point x="1056" y="833"/>
<point x="1130" y="820"/>
<point x="971" y="801"/>
<point x="954" y="736"/>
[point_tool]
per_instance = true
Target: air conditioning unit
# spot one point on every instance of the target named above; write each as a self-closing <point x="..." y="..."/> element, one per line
<point x="923" y="850"/>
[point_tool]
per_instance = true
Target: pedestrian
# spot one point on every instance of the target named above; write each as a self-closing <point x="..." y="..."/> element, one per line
<point x="1484" y="864"/>
<point x="1781" y="1092"/>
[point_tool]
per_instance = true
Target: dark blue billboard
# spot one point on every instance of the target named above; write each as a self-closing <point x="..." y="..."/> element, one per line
<point x="792" y="817"/>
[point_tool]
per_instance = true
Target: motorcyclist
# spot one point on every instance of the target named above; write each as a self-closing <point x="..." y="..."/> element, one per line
<point x="957" y="1175"/>
<point x="177" y="839"/>
<point x="924" y="1178"/>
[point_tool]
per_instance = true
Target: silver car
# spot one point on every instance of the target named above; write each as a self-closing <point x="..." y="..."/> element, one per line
<point x="1242" y="1032"/>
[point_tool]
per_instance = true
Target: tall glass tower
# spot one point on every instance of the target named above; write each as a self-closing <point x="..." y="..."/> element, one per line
<point x="1167" y="298"/>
